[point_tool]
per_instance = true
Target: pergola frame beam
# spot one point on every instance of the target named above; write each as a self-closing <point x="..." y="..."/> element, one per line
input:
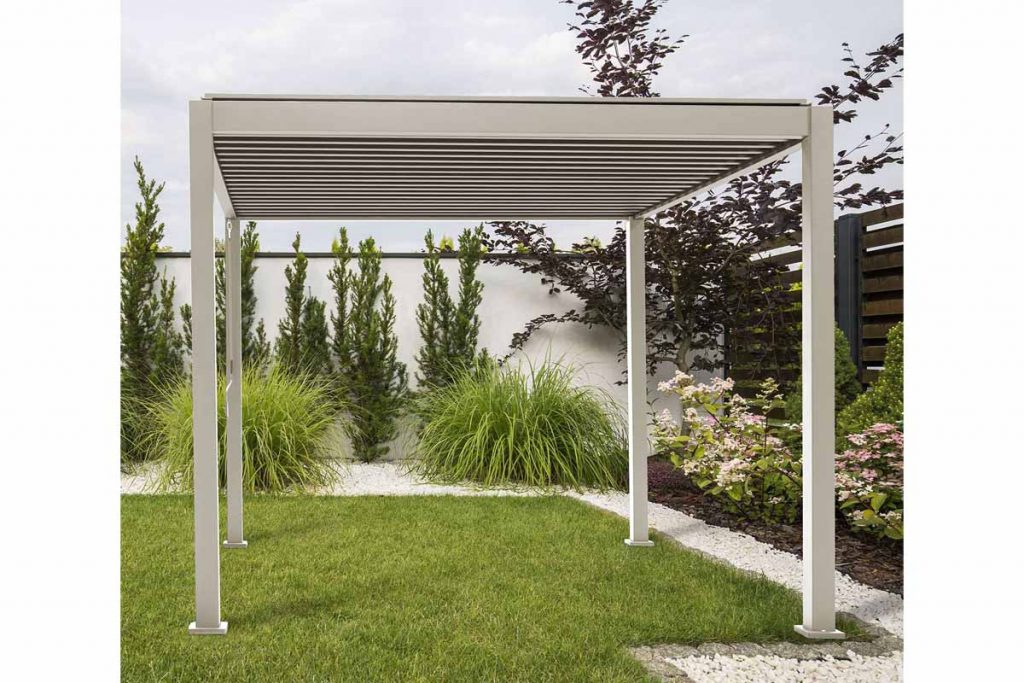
<point x="307" y="184"/>
<point x="818" y="359"/>
<point x="204" y="373"/>
<point x="233" y="388"/>
<point x="636" y="376"/>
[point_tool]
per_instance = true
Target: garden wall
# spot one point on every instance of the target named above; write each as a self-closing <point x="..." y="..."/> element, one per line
<point x="510" y="299"/>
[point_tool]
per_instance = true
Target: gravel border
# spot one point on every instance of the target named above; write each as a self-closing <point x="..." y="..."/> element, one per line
<point x="879" y="659"/>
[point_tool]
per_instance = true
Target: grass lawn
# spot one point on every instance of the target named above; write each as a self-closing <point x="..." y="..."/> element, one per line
<point x="426" y="588"/>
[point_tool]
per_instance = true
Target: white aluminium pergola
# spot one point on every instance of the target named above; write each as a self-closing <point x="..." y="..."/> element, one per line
<point x="490" y="158"/>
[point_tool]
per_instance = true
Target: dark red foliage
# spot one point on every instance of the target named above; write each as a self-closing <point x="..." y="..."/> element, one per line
<point x="700" y="276"/>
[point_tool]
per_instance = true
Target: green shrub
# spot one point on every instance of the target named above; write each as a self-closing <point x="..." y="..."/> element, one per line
<point x="369" y="378"/>
<point x="286" y="421"/>
<point x="151" y="348"/>
<point x="883" y="402"/>
<point x="869" y="481"/>
<point x="726" y="445"/>
<point x="848" y="387"/>
<point x="449" y="331"/>
<point x="301" y="345"/>
<point x="500" y="426"/>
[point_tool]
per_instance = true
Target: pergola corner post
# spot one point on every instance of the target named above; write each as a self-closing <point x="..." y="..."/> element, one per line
<point x="233" y="390"/>
<point x="818" y="313"/>
<point x="636" y="376"/>
<point x="204" y="372"/>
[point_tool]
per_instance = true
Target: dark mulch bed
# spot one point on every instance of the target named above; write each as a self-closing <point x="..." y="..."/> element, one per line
<point x="871" y="562"/>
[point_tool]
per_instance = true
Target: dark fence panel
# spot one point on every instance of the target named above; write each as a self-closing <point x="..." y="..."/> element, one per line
<point x="869" y="301"/>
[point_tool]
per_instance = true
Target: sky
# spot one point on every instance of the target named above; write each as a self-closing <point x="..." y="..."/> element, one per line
<point x="173" y="52"/>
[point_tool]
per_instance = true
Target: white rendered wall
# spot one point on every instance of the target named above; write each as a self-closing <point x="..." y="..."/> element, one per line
<point x="511" y="298"/>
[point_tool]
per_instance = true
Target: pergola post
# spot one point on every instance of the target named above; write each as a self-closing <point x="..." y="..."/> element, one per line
<point x="233" y="390"/>
<point x="819" y="616"/>
<point x="204" y="372"/>
<point x="636" y="375"/>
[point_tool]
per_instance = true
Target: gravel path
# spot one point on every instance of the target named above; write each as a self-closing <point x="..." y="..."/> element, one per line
<point x="869" y="604"/>
<point x="757" y="669"/>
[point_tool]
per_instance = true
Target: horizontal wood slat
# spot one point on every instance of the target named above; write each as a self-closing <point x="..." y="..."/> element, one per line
<point x="874" y="354"/>
<point x="884" y="283"/>
<point x="882" y="214"/>
<point x="873" y="262"/>
<point x="876" y="296"/>
<point x="884" y="307"/>
<point x="876" y="330"/>
<point x="883" y="237"/>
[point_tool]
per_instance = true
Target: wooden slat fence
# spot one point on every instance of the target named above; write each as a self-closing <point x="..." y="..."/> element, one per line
<point x="869" y="301"/>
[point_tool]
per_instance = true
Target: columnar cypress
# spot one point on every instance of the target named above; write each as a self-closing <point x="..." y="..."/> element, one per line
<point x="369" y="374"/>
<point x="289" y="329"/>
<point x="255" y="347"/>
<point x="450" y="331"/>
<point x="466" y="323"/>
<point x="433" y="317"/>
<point x="341" y="280"/>
<point x="302" y="334"/>
<point x="316" y="352"/>
<point x="168" y="352"/>
<point x="150" y="346"/>
<point x="139" y="303"/>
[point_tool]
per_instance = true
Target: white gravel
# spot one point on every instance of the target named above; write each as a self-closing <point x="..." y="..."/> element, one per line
<point x="142" y="479"/>
<point x="391" y="479"/>
<point x="740" y="550"/>
<point x="759" y="668"/>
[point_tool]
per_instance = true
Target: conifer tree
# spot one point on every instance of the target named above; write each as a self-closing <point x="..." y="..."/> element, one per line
<point x="150" y="346"/>
<point x="449" y="331"/>
<point x="185" y="310"/>
<point x="316" y="351"/>
<point x="139" y="303"/>
<point x="372" y="379"/>
<point x="255" y="347"/>
<point x="433" y="317"/>
<point x="289" y="329"/>
<point x="466" y="322"/>
<point x="168" y="359"/>
<point x="302" y="345"/>
<point x="341" y="280"/>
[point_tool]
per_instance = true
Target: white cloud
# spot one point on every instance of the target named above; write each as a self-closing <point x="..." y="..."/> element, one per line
<point x="175" y="51"/>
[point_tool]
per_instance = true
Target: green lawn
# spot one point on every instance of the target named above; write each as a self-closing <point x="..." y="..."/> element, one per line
<point x="425" y="588"/>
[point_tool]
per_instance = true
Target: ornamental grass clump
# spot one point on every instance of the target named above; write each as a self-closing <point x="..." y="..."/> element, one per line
<point x="286" y="432"/>
<point x="499" y="426"/>
<point x="726" y="445"/>
<point x="869" y="481"/>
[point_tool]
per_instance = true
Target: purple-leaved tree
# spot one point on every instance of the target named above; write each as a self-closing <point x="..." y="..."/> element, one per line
<point x="701" y="278"/>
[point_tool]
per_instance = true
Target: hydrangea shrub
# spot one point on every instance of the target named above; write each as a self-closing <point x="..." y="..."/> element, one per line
<point x="726" y="445"/>
<point x="869" y="480"/>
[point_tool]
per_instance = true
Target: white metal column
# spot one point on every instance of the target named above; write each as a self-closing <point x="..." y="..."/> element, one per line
<point x="233" y="390"/>
<point x="636" y="375"/>
<point x="819" y="618"/>
<point x="204" y="372"/>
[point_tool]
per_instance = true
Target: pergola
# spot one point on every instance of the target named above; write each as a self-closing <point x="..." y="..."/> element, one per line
<point x="499" y="158"/>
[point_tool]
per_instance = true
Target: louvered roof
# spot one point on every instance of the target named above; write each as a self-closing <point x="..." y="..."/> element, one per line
<point x="480" y="158"/>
